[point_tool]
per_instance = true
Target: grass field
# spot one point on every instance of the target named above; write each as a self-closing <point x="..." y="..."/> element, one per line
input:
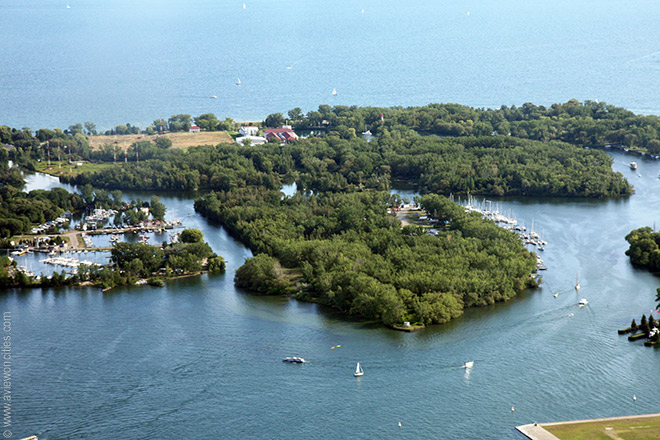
<point x="179" y="140"/>
<point x="55" y="170"/>
<point x="623" y="428"/>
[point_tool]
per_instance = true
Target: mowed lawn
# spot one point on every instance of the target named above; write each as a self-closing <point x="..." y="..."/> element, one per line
<point x="73" y="169"/>
<point x="179" y="140"/>
<point x="643" y="428"/>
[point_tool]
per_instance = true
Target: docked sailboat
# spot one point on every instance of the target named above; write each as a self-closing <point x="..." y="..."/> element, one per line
<point x="358" y="371"/>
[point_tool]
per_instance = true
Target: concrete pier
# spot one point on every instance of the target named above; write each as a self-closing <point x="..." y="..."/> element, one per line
<point x="536" y="432"/>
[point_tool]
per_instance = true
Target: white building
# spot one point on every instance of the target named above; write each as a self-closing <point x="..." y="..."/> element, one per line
<point x="248" y="130"/>
<point x="254" y="140"/>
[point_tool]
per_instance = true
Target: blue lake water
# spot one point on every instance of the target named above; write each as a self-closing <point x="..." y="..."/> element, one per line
<point x="199" y="358"/>
<point x="113" y="62"/>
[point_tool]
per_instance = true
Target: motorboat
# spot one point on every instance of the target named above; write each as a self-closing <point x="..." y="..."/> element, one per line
<point x="633" y="165"/>
<point x="468" y="364"/>
<point x="294" y="360"/>
<point x="583" y="302"/>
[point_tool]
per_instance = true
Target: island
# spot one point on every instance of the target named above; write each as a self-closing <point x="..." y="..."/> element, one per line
<point x="338" y="240"/>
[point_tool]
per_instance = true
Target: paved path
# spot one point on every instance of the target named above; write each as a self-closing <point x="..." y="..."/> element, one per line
<point x="402" y="215"/>
<point x="536" y="432"/>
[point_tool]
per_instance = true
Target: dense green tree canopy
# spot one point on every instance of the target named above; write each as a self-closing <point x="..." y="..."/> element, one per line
<point x="353" y="256"/>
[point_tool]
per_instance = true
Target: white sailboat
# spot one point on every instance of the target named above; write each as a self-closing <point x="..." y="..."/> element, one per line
<point x="358" y="371"/>
<point x="334" y="92"/>
<point x="577" y="282"/>
<point x="238" y="82"/>
<point x="68" y="6"/>
<point x="244" y="6"/>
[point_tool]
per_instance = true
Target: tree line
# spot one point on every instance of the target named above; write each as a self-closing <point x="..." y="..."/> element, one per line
<point x="490" y="165"/>
<point x="587" y="123"/>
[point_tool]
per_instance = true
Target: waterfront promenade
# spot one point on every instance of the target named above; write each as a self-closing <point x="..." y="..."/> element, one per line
<point x="609" y="426"/>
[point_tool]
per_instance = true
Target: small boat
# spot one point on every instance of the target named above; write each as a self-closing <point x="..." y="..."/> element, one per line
<point x="244" y="7"/>
<point x="238" y="82"/>
<point x="367" y="133"/>
<point x="358" y="371"/>
<point x="577" y="282"/>
<point x="214" y="97"/>
<point x="334" y="92"/>
<point x="555" y="294"/>
<point x="583" y="302"/>
<point x="68" y="6"/>
<point x="294" y="360"/>
<point x="468" y="364"/>
<point x="633" y="165"/>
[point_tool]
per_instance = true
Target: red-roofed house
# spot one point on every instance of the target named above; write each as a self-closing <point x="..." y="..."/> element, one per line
<point x="283" y="134"/>
<point x="194" y="129"/>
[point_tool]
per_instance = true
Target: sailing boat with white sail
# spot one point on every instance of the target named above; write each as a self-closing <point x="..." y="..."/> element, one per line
<point x="577" y="282"/>
<point x="358" y="371"/>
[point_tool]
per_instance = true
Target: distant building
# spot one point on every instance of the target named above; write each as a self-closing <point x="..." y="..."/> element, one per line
<point x="284" y="135"/>
<point x="254" y="140"/>
<point x="248" y="130"/>
<point x="195" y="129"/>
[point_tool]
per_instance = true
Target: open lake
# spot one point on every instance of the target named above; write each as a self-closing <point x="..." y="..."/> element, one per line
<point x="198" y="358"/>
<point x="118" y="61"/>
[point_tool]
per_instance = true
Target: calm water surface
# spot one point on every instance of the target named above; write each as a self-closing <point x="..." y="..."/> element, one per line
<point x="112" y="62"/>
<point x="198" y="358"/>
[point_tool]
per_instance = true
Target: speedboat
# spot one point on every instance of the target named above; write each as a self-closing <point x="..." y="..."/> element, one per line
<point x="468" y="364"/>
<point x="294" y="360"/>
<point x="633" y="165"/>
<point x="583" y="302"/>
